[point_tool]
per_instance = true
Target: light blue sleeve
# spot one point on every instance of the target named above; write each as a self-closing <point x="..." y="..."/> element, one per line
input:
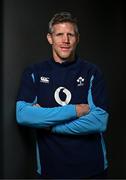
<point x="29" y="115"/>
<point x="95" y="121"/>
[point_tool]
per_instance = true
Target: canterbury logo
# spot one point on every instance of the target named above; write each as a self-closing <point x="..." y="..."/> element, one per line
<point x="66" y="92"/>
<point x="44" y="79"/>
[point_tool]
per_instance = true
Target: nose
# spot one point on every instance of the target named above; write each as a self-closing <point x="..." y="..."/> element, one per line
<point x="66" y="38"/>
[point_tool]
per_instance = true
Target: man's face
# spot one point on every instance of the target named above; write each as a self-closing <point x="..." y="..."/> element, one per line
<point x="64" y="40"/>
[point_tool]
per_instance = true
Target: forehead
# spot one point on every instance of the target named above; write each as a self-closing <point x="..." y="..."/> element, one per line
<point x="64" y="27"/>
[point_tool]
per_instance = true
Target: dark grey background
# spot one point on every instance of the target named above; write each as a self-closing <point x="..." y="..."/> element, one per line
<point x="102" y="41"/>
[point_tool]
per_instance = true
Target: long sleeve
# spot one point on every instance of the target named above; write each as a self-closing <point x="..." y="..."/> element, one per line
<point x="39" y="117"/>
<point x="96" y="120"/>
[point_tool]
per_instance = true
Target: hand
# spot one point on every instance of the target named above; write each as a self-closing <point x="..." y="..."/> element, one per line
<point x="82" y="109"/>
<point x="37" y="105"/>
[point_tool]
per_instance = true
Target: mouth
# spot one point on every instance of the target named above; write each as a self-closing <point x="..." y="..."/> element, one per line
<point x="64" y="48"/>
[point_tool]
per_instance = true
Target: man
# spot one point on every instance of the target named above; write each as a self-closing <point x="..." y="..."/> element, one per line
<point x="64" y="99"/>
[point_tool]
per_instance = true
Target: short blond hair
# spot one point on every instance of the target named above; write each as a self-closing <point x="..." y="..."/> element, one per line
<point x="60" y="18"/>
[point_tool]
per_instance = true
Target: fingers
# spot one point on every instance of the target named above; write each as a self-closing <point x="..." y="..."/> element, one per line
<point x="37" y="105"/>
<point x="82" y="109"/>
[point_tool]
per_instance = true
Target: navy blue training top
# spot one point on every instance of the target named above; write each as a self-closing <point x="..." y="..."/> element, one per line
<point x="67" y="146"/>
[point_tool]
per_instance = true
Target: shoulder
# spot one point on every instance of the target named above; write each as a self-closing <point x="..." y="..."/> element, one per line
<point x="90" y="66"/>
<point x="37" y="67"/>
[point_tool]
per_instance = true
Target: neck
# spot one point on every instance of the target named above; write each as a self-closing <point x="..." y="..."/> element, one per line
<point x="63" y="60"/>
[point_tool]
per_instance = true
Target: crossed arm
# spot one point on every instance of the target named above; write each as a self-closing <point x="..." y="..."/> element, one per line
<point x="86" y="121"/>
<point x="69" y="119"/>
<point x="81" y="109"/>
<point x="31" y="114"/>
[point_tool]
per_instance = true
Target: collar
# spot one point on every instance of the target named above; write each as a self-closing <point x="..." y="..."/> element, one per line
<point x="64" y="64"/>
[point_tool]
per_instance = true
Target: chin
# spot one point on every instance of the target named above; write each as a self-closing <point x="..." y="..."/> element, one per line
<point x="66" y="57"/>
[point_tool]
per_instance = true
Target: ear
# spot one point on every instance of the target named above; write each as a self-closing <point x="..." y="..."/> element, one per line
<point x="49" y="38"/>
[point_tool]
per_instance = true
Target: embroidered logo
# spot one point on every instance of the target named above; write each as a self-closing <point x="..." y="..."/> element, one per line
<point x="80" y="81"/>
<point x="44" y="79"/>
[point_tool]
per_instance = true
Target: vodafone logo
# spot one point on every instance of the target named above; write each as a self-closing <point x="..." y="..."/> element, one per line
<point x="57" y="96"/>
